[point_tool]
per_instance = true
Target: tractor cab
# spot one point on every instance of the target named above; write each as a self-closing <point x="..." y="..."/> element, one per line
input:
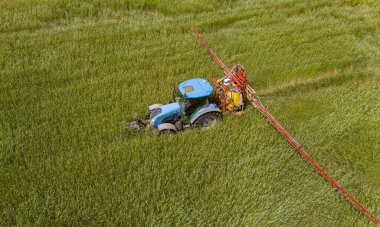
<point x="194" y="94"/>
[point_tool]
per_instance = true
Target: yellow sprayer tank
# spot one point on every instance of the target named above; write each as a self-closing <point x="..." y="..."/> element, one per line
<point x="236" y="99"/>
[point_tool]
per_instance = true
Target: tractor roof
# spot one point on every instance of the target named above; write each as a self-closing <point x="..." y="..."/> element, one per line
<point x="195" y="88"/>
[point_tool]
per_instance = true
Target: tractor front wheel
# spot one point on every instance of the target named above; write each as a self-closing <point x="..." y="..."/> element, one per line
<point x="207" y="119"/>
<point x="166" y="132"/>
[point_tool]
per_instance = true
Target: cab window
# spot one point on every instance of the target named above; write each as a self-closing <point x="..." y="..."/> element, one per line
<point x="192" y="104"/>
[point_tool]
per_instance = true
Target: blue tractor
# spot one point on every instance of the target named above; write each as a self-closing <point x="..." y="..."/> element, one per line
<point x="191" y="106"/>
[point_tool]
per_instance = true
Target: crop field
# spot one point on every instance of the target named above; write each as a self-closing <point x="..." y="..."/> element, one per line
<point x="73" y="72"/>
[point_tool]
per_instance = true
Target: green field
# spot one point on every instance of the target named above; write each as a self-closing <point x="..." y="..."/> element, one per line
<point x="72" y="72"/>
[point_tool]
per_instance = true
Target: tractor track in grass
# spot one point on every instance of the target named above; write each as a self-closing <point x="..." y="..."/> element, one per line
<point x="300" y="82"/>
<point x="328" y="78"/>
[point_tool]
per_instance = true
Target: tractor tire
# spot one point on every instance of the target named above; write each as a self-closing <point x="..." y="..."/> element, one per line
<point x="207" y="119"/>
<point x="166" y="128"/>
<point x="166" y="132"/>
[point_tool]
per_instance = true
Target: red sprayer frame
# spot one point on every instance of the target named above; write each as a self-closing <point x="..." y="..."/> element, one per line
<point x="239" y="77"/>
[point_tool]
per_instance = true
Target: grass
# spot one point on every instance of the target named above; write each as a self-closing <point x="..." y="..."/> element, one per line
<point x="73" y="72"/>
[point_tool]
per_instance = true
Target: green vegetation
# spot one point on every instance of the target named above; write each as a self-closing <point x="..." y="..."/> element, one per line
<point x="72" y="72"/>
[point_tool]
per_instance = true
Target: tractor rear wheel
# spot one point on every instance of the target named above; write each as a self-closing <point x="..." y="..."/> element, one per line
<point x="207" y="119"/>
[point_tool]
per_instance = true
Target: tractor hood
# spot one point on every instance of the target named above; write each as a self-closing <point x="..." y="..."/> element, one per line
<point x="164" y="113"/>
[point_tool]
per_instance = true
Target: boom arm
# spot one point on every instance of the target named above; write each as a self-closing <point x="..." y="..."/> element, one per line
<point x="250" y="94"/>
<point x="213" y="55"/>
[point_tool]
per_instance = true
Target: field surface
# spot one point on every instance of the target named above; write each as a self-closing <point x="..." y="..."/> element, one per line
<point x="72" y="72"/>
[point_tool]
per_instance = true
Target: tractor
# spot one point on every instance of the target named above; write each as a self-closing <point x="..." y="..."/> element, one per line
<point x="192" y="105"/>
